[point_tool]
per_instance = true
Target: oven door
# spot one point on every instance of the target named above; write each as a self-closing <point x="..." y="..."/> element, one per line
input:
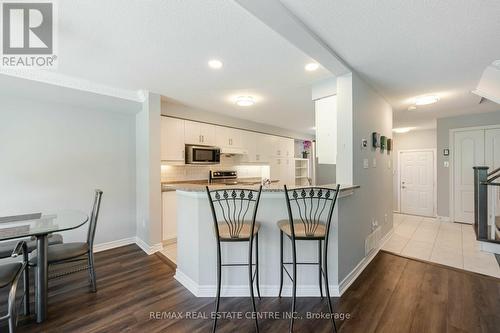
<point x="202" y="155"/>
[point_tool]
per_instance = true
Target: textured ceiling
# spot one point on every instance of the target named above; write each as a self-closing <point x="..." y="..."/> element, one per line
<point x="164" y="46"/>
<point x="409" y="48"/>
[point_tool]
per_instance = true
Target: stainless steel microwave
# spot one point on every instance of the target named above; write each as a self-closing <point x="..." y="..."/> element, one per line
<point x="202" y="155"/>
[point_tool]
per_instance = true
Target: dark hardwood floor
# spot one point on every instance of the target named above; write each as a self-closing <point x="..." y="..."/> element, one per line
<point x="393" y="294"/>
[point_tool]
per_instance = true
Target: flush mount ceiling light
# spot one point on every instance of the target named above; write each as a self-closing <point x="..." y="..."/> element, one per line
<point x="312" y="66"/>
<point x="402" y="129"/>
<point x="245" y="101"/>
<point x="215" y="64"/>
<point x="425" y="100"/>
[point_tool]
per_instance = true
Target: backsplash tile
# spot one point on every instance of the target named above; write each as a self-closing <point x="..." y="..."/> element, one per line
<point x="171" y="173"/>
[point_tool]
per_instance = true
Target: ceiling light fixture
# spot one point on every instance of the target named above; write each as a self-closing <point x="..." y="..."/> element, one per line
<point x="425" y="100"/>
<point x="245" y="101"/>
<point x="402" y="129"/>
<point x="311" y="67"/>
<point x="412" y="108"/>
<point x="215" y="64"/>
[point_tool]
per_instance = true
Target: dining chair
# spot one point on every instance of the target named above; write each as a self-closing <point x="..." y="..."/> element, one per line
<point x="7" y="247"/>
<point x="234" y="211"/>
<point x="76" y="251"/>
<point x="10" y="273"/>
<point x="310" y="211"/>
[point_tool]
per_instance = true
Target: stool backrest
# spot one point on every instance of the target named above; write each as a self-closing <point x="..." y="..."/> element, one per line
<point x="93" y="218"/>
<point x="234" y="206"/>
<point x="312" y="206"/>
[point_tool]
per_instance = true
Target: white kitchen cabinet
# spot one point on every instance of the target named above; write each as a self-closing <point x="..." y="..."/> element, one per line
<point x="282" y="169"/>
<point x="326" y="129"/>
<point x="172" y="139"/>
<point x="169" y="215"/>
<point x="199" y="133"/>
<point x="228" y="137"/>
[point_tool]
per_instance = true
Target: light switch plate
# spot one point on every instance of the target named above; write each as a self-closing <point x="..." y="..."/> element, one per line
<point x="365" y="163"/>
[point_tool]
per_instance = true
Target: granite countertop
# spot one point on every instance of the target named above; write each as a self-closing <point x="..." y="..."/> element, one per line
<point x="200" y="187"/>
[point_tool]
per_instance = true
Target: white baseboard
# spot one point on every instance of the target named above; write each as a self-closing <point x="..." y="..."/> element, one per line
<point x="273" y="290"/>
<point x="443" y="218"/>
<point x="113" y="244"/>
<point x="490" y="247"/>
<point x="148" y="249"/>
<point x="353" y="275"/>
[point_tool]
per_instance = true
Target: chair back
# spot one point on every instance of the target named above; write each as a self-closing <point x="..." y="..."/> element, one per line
<point x="235" y="207"/>
<point x="93" y="218"/>
<point x="313" y="206"/>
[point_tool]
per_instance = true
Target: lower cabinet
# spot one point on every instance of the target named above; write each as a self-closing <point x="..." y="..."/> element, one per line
<point x="169" y="215"/>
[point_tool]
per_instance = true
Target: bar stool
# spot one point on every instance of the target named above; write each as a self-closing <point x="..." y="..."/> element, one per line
<point x="310" y="212"/>
<point x="234" y="211"/>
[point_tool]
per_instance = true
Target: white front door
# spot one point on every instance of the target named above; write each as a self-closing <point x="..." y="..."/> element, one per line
<point x="468" y="152"/>
<point x="417" y="182"/>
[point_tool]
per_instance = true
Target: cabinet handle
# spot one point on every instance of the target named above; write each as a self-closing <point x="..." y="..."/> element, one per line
<point x="202" y="138"/>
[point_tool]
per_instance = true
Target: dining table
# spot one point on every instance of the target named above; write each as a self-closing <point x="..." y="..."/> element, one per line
<point x="39" y="226"/>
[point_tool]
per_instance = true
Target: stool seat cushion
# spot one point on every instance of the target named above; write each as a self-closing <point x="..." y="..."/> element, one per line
<point x="303" y="230"/>
<point x="6" y="248"/>
<point x="228" y="231"/>
<point x="8" y="273"/>
<point x="60" y="252"/>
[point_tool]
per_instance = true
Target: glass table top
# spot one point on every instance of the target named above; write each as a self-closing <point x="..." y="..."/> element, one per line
<point x="20" y="226"/>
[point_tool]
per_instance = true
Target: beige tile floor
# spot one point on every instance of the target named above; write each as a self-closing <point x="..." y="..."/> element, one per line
<point x="170" y="251"/>
<point x="446" y="243"/>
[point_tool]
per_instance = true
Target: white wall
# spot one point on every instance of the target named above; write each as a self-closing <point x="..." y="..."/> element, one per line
<point x="420" y="139"/>
<point x="148" y="184"/>
<point x="52" y="156"/>
<point x="373" y="200"/>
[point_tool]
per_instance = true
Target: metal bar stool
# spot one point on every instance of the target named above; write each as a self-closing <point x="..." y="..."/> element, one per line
<point x="310" y="212"/>
<point x="230" y="208"/>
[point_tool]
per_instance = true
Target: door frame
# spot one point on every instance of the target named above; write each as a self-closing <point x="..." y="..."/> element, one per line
<point x="434" y="172"/>
<point x="451" y="159"/>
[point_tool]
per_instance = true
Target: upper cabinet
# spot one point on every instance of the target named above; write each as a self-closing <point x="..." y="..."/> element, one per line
<point x="228" y="137"/>
<point x="172" y="139"/>
<point x="326" y="129"/>
<point x="199" y="133"/>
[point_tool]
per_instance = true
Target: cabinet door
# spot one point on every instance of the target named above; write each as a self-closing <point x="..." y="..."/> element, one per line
<point x="265" y="147"/>
<point x="286" y="147"/>
<point x="192" y="132"/>
<point x="172" y="139"/>
<point x="249" y="143"/>
<point x="207" y="133"/>
<point x="235" y="137"/>
<point x="221" y="136"/>
<point x="275" y="167"/>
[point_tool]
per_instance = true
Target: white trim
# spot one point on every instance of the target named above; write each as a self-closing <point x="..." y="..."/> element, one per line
<point x="434" y="167"/>
<point x="273" y="290"/>
<point x="353" y="275"/>
<point x="443" y="218"/>
<point x="113" y="244"/>
<point x="451" y="180"/>
<point x="490" y="247"/>
<point x="148" y="249"/>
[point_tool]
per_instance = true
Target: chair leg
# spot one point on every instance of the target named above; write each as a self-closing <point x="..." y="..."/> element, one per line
<point x="257" y="264"/>
<point x="250" y="269"/>
<point x="281" y="263"/>
<point x="327" y="289"/>
<point x="294" y="287"/>
<point x="26" y="287"/>
<point x="12" y="313"/>
<point x="319" y="269"/>
<point x="92" y="271"/>
<point x="217" y="297"/>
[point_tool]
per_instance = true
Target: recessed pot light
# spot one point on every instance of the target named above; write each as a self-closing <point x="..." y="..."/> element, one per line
<point x="215" y="64"/>
<point x="402" y="129"/>
<point x="245" y="101"/>
<point x="425" y="100"/>
<point x="311" y="67"/>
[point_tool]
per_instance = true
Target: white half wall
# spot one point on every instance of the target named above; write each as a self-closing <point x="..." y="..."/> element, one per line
<point x="53" y="155"/>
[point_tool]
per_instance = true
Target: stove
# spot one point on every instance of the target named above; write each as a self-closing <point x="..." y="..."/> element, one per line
<point x="223" y="177"/>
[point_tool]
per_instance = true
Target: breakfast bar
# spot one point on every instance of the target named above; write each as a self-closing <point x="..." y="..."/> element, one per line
<point x="196" y="246"/>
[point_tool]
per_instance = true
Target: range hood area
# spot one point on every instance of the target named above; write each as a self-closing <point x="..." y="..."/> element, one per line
<point x="489" y="84"/>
